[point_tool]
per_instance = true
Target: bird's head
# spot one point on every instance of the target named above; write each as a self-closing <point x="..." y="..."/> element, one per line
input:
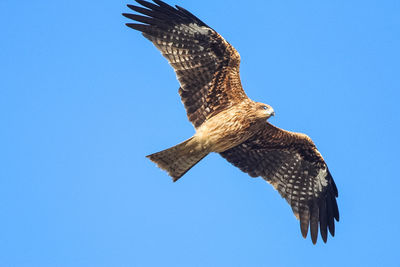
<point x="264" y="111"/>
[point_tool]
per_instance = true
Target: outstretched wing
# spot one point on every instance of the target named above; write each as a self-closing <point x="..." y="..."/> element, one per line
<point x="293" y="165"/>
<point x="206" y="65"/>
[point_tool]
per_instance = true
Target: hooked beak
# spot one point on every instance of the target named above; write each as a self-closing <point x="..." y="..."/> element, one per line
<point x="272" y="113"/>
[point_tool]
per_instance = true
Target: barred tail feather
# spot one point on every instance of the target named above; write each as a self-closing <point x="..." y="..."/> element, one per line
<point x="179" y="159"/>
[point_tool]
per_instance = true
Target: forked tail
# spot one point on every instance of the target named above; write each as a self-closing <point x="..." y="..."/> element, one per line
<point x="178" y="159"/>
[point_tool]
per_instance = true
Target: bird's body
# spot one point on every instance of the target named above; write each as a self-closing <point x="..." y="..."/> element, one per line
<point x="221" y="132"/>
<point x="231" y="124"/>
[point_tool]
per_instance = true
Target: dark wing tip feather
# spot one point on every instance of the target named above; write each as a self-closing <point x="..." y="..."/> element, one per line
<point x="162" y="11"/>
<point x="147" y="4"/>
<point x="144" y="19"/>
<point x="322" y="212"/>
<point x="139" y="27"/>
<point x="140" y="9"/>
<point x="314" y="222"/>
<point x="328" y="210"/>
<point x="330" y="213"/>
<point x="323" y="221"/>
<point x="335" y="210"/>
<point x="304" y="222"/>
<point x="333" y="184"/>
<point x="164" y="5"/>
<point x="190" y="15"/>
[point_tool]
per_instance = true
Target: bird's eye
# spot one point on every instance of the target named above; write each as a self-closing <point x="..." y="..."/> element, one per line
<point x="265" y="107"/>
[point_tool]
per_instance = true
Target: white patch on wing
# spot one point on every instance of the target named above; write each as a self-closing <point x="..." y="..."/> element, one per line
<point x="201" y="29"/>
<point x="321" y="179"/>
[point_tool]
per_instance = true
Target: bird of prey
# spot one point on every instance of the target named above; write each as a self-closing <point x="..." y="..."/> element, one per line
<point x="231" y="124"/>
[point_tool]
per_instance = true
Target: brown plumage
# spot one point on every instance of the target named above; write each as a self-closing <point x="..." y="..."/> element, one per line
<point x="229" y="123"/>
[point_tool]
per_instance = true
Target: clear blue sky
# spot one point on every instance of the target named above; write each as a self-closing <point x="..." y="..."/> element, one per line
<point x="83" y="99"/>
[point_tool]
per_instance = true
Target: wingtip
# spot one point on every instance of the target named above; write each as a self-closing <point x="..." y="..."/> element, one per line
<point x="183" y="10"/>
<point x="324" y="238"/>
<point x="304" y="217"/>
<point x="304" y="234"/>
<point x="160" y="2"/>
<point x="331" y="228"/>
<point x="314" y="241"/>
<point x="180" y="8"/>
<point x="141" y="2"/>
<point x="130" y="6"/>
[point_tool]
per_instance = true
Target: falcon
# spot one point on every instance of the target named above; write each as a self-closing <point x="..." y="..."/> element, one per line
<point x="231" y="124"/>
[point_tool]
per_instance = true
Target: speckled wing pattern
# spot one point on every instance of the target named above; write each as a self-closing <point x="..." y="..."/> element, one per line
<point x="206" y="66"/>
<point x="293" y="165"/>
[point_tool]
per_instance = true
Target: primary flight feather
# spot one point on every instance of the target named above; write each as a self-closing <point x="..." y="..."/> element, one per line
<point x="230" y="123"/>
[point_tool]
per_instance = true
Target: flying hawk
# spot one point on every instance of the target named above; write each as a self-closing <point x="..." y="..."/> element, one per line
<point x="230" y="123"/>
